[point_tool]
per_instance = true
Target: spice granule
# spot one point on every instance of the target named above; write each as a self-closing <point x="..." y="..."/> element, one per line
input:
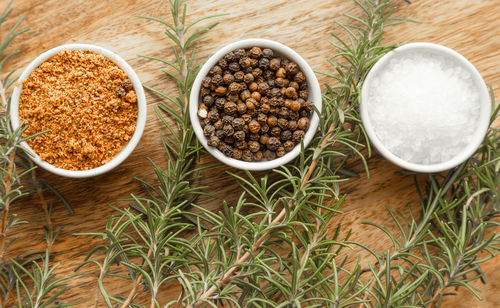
<point x="79" y="97"/>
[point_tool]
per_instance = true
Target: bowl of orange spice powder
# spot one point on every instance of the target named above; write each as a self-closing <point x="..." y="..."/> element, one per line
<point x="87" y="103"/>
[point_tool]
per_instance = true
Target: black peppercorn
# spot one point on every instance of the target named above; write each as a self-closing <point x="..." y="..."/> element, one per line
<point x="219" y="133"/>
<point x="286" y="135"/>
<point x="227" y="120"/>
<point x="264" y="128"/>
<point x="264" y="139"/>
<point x="299" y="77"/>
<point x="272" y="121"/>
<point x="239" y="135"/>
<point x="234" y="67"/>
<point x="281" y="73"/>
<point x="288" y="145"/>
<point x="269" y="155"/>
<point x="282" y="123"/>
<point x="216" y="70"/>
<point x="205" y="122"/>
<point x="257" y="72"/>
<point x="303" y="123"/>
<point x="267" y="53"/>
<point x="241" y="107"/>
<point x="276" y="131"/>
<point x="255" y="52"/>
<point x="226" y="150"/>
<point x="298" y="135"/>
<point x="213" y="116"/>
<point x="265" y="108"/>
<point x="290" y="92"/>
<point x="308" y="105"/>
<point x="213" y="141"/>
<point x="295" y="106"/>
<point x="253" y="146"/>
<point x="230" y="57"/>
<point x="239" y="53"/>
<point x="220" y="91"/>
<point x="256" y="96"/>
<point x="204" y="92"/>
<point x="284" y="112"/>
<point x="280" y="151"/>
<point x="257" y="156"/>
<point x="292" y="125"/>
<point x="264" y="63"/>
<point x="230" y="108"/>
<point x="245" y="63"/>
<point x="294" y="85"/>
<point x="261" y="118"/>
<point x="232" y="97"/>
<point x="254" y="62"/>
<point x="241" y="144"/>
<point x="275" y="92"/>
<point x="208" y="130"/>
<point x="274" y="64"/>
<point x="238" y="123"/>
<point x="246" y="155"/>
<point x="217" y="80"/>
<point x="234" y="88"/>
<point x="251" y="104"/>
<point x="253" y="136"/>
<point x="294" y="115"/>
<point x="229" y="140"/>
<point x="208" y="100"/>
<point x="228" y="130"/>
<point x="218" y="124"/>
<point x="228" y="79"/>
<point x="263" y="88"/>
<point x="237" y="153"/>
<point x="238" y="76"/>
<point x="222" y="63"/>
<point x="244" y="95"/>
<point x="273" y="143"/>
<point x="253" y="86"/>
<point x="220" y="102"/>
<point x="206" y="82"/>
<point x="248" y="78"/>
<point x="292" y="68"/>
<point x="247" y="118"/>
<point x="254" y="126"/>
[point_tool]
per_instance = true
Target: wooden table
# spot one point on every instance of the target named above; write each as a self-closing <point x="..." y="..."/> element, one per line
<point x="471" y="27"/>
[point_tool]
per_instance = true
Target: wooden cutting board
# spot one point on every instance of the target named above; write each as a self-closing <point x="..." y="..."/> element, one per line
<point x="472" y="27"/>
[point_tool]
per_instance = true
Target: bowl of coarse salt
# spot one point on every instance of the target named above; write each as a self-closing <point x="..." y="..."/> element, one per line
<point x="425" y="107"/>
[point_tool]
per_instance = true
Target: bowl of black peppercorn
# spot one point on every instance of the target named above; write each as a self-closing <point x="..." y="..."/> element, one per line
<point x="255" y="104"/>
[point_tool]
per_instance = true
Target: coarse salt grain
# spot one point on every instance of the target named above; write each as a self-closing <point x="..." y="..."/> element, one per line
<point x="424" y="107"/>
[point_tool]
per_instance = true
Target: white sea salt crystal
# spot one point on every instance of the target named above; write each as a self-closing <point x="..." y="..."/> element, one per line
<point x="423" y="107"/>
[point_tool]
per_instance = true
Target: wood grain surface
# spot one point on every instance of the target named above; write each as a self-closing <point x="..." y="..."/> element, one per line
<point x="472" y="27"/>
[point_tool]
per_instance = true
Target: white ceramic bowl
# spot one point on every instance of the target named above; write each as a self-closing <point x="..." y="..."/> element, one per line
<point x="127" y="148"/>
<point x="484" y="116"/>
<point x="280" y="50"/>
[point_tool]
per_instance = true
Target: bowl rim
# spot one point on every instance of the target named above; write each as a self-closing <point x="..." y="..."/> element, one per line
<point x="314" y="96"/>
<point x="483" y="121"/>
<point x="141" y="114"/>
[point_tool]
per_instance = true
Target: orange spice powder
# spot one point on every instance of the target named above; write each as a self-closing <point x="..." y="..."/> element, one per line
<point x="87" y="103"/>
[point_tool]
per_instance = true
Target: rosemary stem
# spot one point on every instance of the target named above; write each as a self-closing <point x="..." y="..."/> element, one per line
<point x="7" y="189"/>
<point x="184" y="68"/>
